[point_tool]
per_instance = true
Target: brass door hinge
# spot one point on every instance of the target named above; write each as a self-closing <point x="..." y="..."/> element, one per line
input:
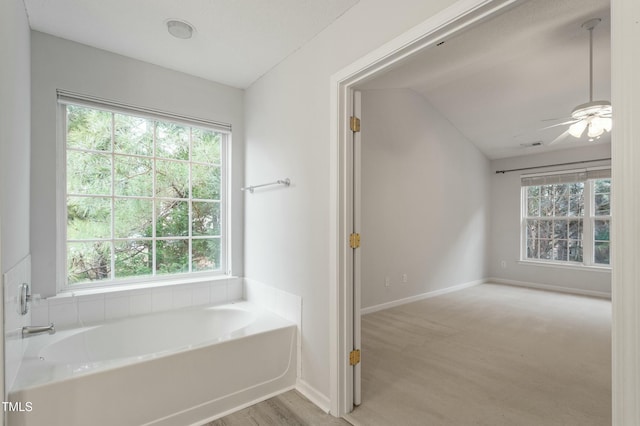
<point x="354" y="241"/>
<point x="354" y="357"/>
<point x="354" y="124"/>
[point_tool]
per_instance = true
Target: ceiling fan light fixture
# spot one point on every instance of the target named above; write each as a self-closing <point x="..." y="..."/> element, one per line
<point x="594" y="116"/>
<point x="595" y="128"/>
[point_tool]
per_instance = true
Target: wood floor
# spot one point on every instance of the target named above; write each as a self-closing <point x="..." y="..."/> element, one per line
<point x="488" y="355"/>
<point x="287" y="409"/>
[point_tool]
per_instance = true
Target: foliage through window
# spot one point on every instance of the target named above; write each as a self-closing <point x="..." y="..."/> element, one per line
<point x="602" y="220"/>
<point x="143" y="196"/>
<point x="567" y="221"/>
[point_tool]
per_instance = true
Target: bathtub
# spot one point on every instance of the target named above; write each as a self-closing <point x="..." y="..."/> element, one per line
<point x="182" y="367"/>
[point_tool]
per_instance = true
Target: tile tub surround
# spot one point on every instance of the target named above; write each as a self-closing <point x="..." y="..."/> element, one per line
<point x="14" y="320"/>
<point x="286" y="305"/>
<point x="73" y="310"/>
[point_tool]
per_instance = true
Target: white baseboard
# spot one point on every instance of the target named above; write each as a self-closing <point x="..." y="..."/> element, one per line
<point x="313" y="395"/>
<point x="548" y="287"/>
<point x="421" y="296"/>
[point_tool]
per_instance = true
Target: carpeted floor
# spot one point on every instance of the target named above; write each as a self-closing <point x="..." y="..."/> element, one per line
<point x="488" y="355"/>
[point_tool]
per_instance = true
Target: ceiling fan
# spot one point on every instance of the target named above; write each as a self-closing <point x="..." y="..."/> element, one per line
<point x="592" y="116"/>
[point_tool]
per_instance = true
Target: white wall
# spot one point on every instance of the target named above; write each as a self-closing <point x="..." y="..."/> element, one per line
<point x="505" y="223"/>
<point x="14" y="320"/>
<point x="62" y="64"/>
<point x="15" y="100"/>
<point x="425" y="200"/>
<point x="287" y="128"/>
<point x="15" y="145"/>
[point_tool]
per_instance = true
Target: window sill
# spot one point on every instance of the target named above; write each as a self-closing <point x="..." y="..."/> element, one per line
<point x="574" y="266"/>
<point x="68" y="293"/>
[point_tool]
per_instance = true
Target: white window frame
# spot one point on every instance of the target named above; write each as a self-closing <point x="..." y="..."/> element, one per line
<point x="588" y="223"/>
<point x="68" y="98"/>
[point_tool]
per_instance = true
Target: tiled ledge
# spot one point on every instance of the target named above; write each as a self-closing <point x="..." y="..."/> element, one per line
<point x="86" y="307"/>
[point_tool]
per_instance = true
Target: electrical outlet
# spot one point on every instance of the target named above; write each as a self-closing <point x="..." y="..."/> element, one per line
<point x="503" y="264"/>
<point x="387" y="282"/>
<point x="405" y="278"/>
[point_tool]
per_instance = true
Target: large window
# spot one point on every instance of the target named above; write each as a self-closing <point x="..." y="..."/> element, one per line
<point x="144" y="196"/>
<point x="566" y="217"/>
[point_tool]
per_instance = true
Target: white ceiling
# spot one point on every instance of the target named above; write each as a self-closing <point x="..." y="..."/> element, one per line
<point x="498" y="82"/>
<point x="235" y="42"/>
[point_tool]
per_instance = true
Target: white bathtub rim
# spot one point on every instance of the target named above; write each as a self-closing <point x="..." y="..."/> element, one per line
<point x="36" y="343"/>
<point x="250" y="311"/>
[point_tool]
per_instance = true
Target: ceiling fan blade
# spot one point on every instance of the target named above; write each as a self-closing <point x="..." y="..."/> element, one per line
<point x="545" y="128"/>
<point x="559" y="138"/>
<point x="556" y="119"/>
<point x="577" y="129"/>
<point x="559" y="124"/>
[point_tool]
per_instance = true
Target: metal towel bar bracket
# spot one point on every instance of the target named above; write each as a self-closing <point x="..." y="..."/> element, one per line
<point x="285" y="182"/>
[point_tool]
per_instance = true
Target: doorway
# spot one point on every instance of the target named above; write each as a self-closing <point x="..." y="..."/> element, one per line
<point x="458" y="18"/>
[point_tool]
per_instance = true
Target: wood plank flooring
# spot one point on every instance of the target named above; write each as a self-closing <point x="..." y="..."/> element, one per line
<point x="488" y="355"/>
<point x="287" y="409"/>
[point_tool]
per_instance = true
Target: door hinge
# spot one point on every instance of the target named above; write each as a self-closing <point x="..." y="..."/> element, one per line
<point x="354" y="357"/>
<point x="354" y="124"/>
<point x="354" y="241"/>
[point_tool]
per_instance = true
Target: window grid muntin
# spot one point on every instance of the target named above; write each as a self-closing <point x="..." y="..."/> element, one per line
<point x="551" y="237"/>
<point x="221" y="142"/>
<point x="113" y="203"/>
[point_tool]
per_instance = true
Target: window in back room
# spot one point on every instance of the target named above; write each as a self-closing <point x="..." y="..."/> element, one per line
<point x="566" y="218"/>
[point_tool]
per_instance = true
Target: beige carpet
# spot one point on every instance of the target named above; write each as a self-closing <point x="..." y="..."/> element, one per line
<point x="488" y="355"/>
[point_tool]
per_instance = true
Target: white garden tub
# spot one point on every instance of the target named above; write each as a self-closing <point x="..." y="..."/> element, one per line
<point x="172" y="368"/>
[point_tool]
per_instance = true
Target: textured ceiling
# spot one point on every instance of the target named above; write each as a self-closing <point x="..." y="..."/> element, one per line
<point x="500" y="82"/>
<point x="235" y="42"/>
